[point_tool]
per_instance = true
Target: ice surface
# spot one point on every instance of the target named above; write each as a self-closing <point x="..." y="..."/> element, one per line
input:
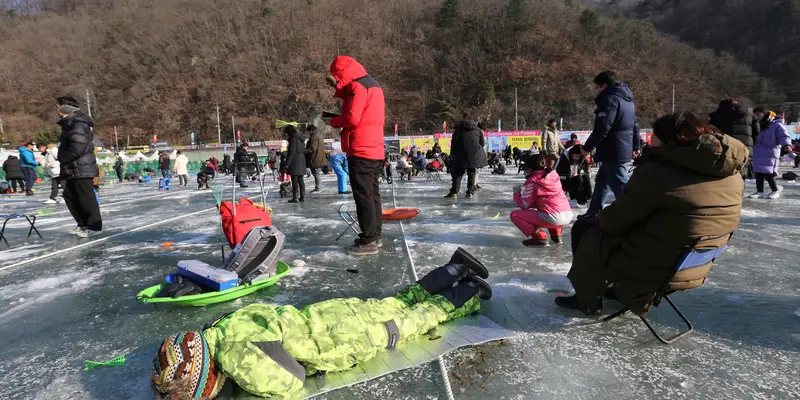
<point x="80" y="304"/>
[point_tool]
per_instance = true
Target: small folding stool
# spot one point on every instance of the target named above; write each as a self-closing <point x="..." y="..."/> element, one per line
<point x="346" y="212"/>
<point x="8" y="217"/>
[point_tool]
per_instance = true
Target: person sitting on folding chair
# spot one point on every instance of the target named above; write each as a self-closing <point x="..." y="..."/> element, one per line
<point x="687" y="186"/>
<point x="269" y="350"/>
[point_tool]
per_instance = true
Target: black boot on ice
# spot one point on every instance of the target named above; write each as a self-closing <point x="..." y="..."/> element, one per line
<point x="463" y="264"/>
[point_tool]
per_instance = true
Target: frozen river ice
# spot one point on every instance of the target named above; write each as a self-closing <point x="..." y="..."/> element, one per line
<point x="80" y="304"/>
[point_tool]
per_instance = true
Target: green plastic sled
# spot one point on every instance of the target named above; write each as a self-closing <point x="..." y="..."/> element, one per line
<point x="204" y="299"/>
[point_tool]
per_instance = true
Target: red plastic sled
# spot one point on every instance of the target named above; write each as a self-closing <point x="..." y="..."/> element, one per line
<point x="236" y="223"/>
<point x="399" y="214"/>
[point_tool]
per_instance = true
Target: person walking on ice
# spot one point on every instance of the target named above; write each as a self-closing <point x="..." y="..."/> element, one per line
<point x="270" y="350"/>
<point x="78" y="166"/>
<point x="767" y="154"/>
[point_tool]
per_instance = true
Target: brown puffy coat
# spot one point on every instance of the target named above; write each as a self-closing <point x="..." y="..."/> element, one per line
<point x="315" y="151"/>
<point x="676" y="195"/>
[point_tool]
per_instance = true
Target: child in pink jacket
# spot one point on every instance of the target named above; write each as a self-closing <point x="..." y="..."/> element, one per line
<point x="543" y="203"/>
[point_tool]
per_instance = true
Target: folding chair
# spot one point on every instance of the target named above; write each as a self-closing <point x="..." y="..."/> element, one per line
<point x="433" y="175"/>
<point x="27" y="217"/>
<point x="345" y="211"/>
<point x="695" y="263"/>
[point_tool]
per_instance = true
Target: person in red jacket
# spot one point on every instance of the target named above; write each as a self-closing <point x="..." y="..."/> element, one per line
<point x="361" y="120"/>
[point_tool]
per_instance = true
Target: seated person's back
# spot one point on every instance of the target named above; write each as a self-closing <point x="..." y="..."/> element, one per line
<point x="686" y="187"/>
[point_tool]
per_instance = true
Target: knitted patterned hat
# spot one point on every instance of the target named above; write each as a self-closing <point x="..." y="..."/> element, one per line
<point x="183" y="368"/>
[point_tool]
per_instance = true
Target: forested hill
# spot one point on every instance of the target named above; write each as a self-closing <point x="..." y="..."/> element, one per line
<point x="763" y="34"/>
<point x="163" y="65"/>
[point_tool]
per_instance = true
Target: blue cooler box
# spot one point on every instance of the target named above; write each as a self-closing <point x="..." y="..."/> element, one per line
<point x="208" y="276"/>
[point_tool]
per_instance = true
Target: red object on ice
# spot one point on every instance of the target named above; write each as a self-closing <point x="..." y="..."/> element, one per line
<point x="399" y="214"/>
<point x="248" y="215"/>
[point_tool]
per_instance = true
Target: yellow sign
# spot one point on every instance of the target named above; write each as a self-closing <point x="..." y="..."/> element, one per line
<point x="444" y="143"/>
<point x="424" y="145"/>
<point x="524" y="142"/>
<point x="405" y="144"/>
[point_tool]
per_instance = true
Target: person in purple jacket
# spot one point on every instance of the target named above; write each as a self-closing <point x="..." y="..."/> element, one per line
<point x="766" y="155"/>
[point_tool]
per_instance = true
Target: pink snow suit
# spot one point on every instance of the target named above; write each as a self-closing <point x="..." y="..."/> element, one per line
<point x="543" y="204"/>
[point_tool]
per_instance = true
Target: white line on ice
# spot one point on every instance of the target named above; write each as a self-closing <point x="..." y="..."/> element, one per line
<point x="42" y="257"/>
<point x="442" y="367"/>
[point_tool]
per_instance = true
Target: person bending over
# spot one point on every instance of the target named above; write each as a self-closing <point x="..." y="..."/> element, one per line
<point x="270" y="350"/>
<point x="542" y="201"/>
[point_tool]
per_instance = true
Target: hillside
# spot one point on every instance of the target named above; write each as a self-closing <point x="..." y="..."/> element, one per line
<point x="164" y="65"/>
<point x="762" y="34"/>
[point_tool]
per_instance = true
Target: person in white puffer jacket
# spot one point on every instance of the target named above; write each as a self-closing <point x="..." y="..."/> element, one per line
<point x="53" y="169"/>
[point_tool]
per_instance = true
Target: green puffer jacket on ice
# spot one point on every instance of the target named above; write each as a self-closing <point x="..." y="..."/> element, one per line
<point x="269" y="350"/>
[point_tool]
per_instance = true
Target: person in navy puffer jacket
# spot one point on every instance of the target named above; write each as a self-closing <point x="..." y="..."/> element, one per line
<point x="615" y="139"/>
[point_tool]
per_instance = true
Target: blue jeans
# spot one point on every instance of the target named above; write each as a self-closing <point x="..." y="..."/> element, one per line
<point x="341" y="177"/>
<point x="165" y="173"/>
<point x="611" y="177"/>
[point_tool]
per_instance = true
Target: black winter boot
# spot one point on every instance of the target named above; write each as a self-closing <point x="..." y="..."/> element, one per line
<point x="483" y="288"/>
<point x="464" y="264"/>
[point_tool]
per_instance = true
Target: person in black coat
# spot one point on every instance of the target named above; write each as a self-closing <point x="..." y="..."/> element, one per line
<point x="574" y="172"/>
<point x="14" y="174"/>
<point x="739" y="121"/>
<point x="227" y="164"/>
<point x="78" y="166"/>
<point x="468" y="155"/>
<point x="239" y="158"/>
<point x="295" y="163"/>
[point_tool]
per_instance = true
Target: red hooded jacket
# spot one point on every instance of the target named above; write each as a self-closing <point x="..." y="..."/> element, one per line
<point x="363" y="115"/>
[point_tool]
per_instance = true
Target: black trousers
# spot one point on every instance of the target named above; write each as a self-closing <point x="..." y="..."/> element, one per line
<point x="458" y="174"/>
<point x="54" y="188"/>
<point x="119" y="174"/>
<point x="15" y="182"/>
<point x="364" y="178"/>
<point x="760" y="178"/>
<point x="298" y="184"/>
<point x="82" y="203"/>
<point x="579" y="228"/>
<point x="579" y="188"/>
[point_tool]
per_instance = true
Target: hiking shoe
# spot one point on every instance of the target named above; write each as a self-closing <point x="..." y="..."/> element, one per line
<point x="359" y="241"/>
<point x="536" y="242"/>
<point x="756" y="195"/>
<point x="85" y="233"/>
<point x="470" y="195"/>
<point x="50" y="201"/>
<point x="60" y="200"/>
<point x="316" y="190"/>
<point x="773" y="195"/>
<point x="477" y="187"/>
<point x="293" y="201"/>
<point x="302" y="199"/>
<point x="76" y="231"/>
<point x="462" y="258"/>
<point x="451" y="196"/>
<point x="484" y="290"/>
<point x="29" y="193"/>
<point x="243" y="186"/>
<point x="572" y="303"/>
<point x="364" y="249"/>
